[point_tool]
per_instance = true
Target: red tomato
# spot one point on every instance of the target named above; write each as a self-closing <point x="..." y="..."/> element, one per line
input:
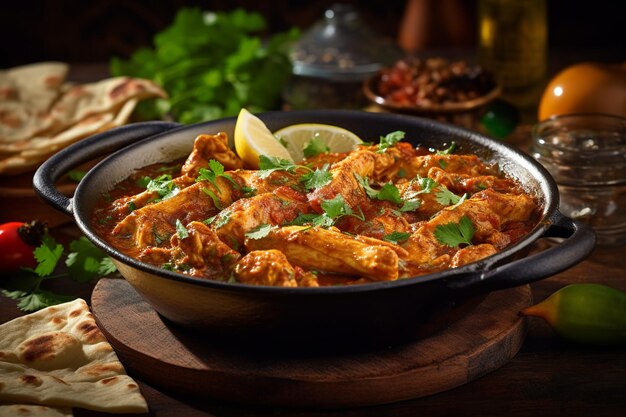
<point x="15" y="253"/>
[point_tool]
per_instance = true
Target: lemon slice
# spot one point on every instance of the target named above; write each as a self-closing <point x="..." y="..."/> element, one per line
<point x="253" y="139"/>
<point x="296" y="137"/>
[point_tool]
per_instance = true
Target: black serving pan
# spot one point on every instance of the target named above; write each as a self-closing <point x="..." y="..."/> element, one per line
<point x="377" y="313"/>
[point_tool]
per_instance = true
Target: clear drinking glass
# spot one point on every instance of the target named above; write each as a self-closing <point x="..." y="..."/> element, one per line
<point x="586" y="155"/>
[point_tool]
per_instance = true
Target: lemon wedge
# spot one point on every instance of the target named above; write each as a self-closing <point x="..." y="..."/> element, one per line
<point x="253" y="139"/>
<point x="298" y="137"/>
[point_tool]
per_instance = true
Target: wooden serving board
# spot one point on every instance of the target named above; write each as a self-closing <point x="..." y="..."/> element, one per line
<point x="188" y="361"/>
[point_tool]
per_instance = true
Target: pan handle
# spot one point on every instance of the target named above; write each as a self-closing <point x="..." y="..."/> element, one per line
<point x="85" y="150"/>
<point x="579" y="242"/>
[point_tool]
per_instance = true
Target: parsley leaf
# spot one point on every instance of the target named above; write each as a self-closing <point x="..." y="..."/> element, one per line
<point x="446" y="197"/>
<point x="259" y="232"/>
<point x="86" y="262"/>
<point x="220" y="219"/>
<point x="449" y="151"/>
<point x="317" y="179"/>
<point x="411" y="205"/>
<point x="216" y="201"/>
<point x="47" y="255"/>
<point x="315" y="147"/>
<point x="454" y="234"/>
<point x="269" y="164"/>
<point x="389" y="140"/>
<point x="396" y="237"/>
<point x="164" y="186"/>
<point x="181" y="230"/>
<point x="36" y="300"/>
<point x="388" y="192"/>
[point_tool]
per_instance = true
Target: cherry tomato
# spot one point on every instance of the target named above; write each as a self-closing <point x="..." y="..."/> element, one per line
<point x="15" y="252"/>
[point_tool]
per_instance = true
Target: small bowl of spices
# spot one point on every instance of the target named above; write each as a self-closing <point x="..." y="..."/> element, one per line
<point x="449" y="91"/>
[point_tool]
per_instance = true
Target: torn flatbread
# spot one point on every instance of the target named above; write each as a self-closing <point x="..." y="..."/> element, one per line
<point x="58" y="357"/>
<point x="28" y="410"/>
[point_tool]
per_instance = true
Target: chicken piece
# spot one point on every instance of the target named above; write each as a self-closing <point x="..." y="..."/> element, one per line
<point x="487" y="210"/>
<point x="202" y="252"/>
<point x="392" y="164"/>
<point x="271" y="267"/>
<point x="277" y="208"/>
<point x="331" y="251"/>
<point x="471" y="254"/>
<point x="153" y="224"/>
<point x="257" y="185"/>
<point x="460" y="164"/>
<point x="344" y="182"/>
<point x="377" y="226"/>
<point x="463" y="183"/>
<point x="428" y="205"/>
<point x="207" y="147"/>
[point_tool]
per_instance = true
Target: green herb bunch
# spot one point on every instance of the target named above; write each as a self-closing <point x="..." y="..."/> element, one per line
<point x="211" y="65"/>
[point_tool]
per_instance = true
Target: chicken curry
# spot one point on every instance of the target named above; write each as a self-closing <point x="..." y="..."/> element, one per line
<point x="381" y="212"/>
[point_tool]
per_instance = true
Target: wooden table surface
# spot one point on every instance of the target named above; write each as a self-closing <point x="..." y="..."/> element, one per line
<point x="548" y="377"/>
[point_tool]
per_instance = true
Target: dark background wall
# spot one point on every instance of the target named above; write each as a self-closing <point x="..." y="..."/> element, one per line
<point x="93" y="31"/>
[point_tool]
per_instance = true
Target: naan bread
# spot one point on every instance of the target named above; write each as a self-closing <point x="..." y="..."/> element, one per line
<point x="25" y="410"/>
<point x="26" y="96"/>
<point x="58" y="357"/>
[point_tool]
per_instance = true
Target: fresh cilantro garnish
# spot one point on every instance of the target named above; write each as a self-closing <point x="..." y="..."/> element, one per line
<point x="216" y="201"/>
<point x="47" y="255"/>
<point x="316" y="179"/>
<point x="426" y="184"/>
<point x="401" y="173"/>
<point x="84" y="262"/>
<point x="220" y="219"/>
<point x="315" y="147"/>
<point x="164" y="186"/>
<point x="446" y="197"/>
<point x="449" y="151"/>
<point x="411" y="204"/>
<point x="131" y="206"/>
<point x="302" y="219"/>
<point x="389" y="140"/>
<point x="396" y="237"/>
<point x="143" y="181"/>
<point x="181" y="230"/>
<point x="211" y="65"/>
<point x="311" y="179"/>
<point x="216" y="169"/>
<point x="388" y="192"/>
<point x="259" y="232"/>
<point x="269" y="164"/>
<point x="248" y="191"/>
<point x="334" y="209"/>
<point x="37" y="299"/>
<point x="443" y="164"/>
<point x="76" y="175"/>
<point x="454" y="234"/>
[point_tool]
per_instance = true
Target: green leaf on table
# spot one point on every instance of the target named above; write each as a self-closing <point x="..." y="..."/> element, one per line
<point x="47" y="255"/>
<point x="86" y="262"/>
<point x="33" y="301"/>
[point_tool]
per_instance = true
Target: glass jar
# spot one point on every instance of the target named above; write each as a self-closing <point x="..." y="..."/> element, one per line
<point x="586" y="155"/>
<point x="333" y="58"/>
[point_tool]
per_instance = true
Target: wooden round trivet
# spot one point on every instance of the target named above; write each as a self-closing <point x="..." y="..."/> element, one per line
<point x="186" y="361"/>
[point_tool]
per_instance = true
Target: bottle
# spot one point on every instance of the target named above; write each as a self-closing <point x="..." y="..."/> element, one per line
<point x="512" y="43"/>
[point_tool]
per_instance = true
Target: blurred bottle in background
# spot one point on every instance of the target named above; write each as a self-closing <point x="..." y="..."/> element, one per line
<point x="512" y="43"/>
